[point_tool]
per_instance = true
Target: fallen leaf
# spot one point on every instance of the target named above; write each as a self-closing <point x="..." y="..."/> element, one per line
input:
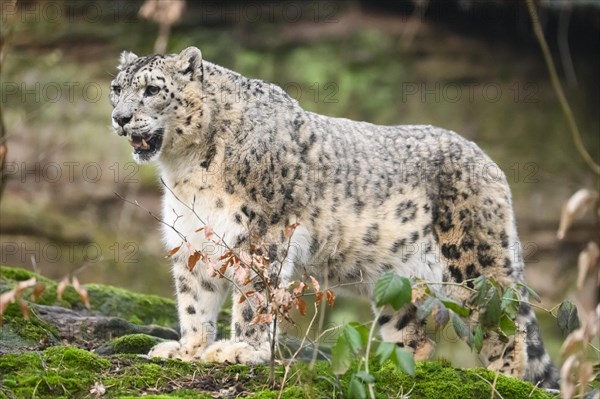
<point x="98" y="389"/>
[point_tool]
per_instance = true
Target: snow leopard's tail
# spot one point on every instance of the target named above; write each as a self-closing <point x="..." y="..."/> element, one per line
<point x="538" y="365"/>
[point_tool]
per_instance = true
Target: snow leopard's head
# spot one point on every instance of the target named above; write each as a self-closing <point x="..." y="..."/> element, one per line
<point x="156" y="99"/>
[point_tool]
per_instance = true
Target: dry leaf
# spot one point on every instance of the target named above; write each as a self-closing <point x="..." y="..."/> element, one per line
<point x="193" y="259"/>
<point x="586" y="372"/>
<point x="574" y="208"/>
<point x="61" y="287"/>
<point x="330" y="298"/>
<point x="83" y="294"/>
<point x="315" y="284"/>
<point x="319" y="296"/>
<point x="162" y="12"/>
<point x="38" y="290"/>
<point x="587" y="263"/>
<point x="98" y="389"/>
<point x="289" y="230"/>
<point x="299" y="290"/>
<point x="5" y="299"/>
<point x="573" y="343"/>
<point x="241" y="273"/>
<point x="23" y="285"/>
<point x="245" y="258"/>
<point x="14" y="295"/>
<point x="262" y="318"/>
<point x="567" y="380"/>
<point x="173" y="251"/>
<point x="208" y="232"/>
<point x="301" y="306"/>
<point x="24" y="309"/>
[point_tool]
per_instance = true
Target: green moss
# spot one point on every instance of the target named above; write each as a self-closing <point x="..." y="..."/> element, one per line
<point x="132" y="343"/>
<point x="108" y="300"/>
<point x="70" y="372"/>
<point x="434" y="377"/>
<point x="18" y="333"/>
<point x="58" y="372"/>
<point x="140" y="308"/>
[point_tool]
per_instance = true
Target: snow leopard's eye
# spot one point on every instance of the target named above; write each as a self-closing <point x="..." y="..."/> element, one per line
<point x="151" y="90"/>
<point x="116" y="90"/>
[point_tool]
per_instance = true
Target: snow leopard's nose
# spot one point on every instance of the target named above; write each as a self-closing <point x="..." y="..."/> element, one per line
<point x="122" y="119"/>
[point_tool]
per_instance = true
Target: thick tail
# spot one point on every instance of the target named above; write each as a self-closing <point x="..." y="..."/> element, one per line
<point x="538" y="365"/>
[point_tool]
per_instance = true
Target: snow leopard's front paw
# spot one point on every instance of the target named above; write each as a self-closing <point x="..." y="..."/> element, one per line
<point x="236" y="352"/>
<point x="176" y="350"/>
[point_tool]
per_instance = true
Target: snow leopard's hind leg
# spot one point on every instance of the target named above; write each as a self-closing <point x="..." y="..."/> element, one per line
<point x="475" y="229"/>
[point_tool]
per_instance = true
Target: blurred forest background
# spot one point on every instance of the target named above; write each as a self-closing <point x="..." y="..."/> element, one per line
<point x="471" y="66"/>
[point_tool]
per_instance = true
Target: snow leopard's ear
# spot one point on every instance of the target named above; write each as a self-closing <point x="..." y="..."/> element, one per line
<point x="127" y="57"/>
<point x="189" y="63"/>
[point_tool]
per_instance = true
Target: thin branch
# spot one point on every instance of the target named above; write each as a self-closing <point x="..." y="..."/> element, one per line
<point x="368" y="350"/>
<point x="537" y="28"/>
<point x="304" y="338"/>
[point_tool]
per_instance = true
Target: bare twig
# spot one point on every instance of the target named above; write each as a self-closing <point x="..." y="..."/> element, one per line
<point x="537" y="28"/>
<point x="368" y="350"/>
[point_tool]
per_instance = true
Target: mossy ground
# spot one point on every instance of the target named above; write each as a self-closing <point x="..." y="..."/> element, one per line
<point x="107" y="300"/>
<point x="71" y="372"/>
<point x="68" y="372"/>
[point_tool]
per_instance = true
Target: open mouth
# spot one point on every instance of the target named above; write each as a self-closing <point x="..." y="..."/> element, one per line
<point x="147" y="144"/>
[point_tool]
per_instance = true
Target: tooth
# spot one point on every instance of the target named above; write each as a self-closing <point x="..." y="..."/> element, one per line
<point x="145" y="145"/>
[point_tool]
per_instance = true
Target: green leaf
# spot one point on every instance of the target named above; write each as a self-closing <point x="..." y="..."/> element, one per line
<point x="426" y="308"/>
<point x="482" y="286"/>
<point x="478" y="338"/>
<point x="533" y="294"/>
<point x="454" y="306"/>
<point x="353" y="338"/>
<point x="365" y="377"/>
<point x="507" y="325"/>
<point x="567" y="317"/>
<point x="363" y="331"/>
<point x="357" y="389"/>
<point x="510" y="303"/>
<point x="394" y="290"/>
<point x="384" y="351"/>
<point x="341" y="356"/>
<point x="405" y="361"/>
<point x="492" y="312"/>
<point x="461" y="329"/>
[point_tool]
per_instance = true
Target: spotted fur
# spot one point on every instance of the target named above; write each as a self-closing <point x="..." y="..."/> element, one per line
<point x="243" y="157"/>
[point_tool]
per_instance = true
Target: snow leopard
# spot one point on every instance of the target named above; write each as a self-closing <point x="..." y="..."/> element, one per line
<point x="241" y="156"/>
